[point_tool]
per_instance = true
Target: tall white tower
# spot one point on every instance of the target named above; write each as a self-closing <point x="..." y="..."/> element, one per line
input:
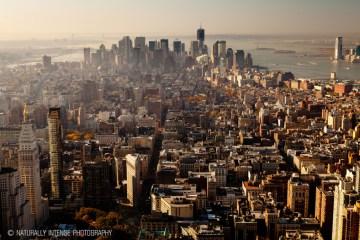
<point x="29" y="169"/>
<point x="338" y="48"/>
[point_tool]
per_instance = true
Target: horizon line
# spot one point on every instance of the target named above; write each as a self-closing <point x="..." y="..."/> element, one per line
<point x="70" y="35"/>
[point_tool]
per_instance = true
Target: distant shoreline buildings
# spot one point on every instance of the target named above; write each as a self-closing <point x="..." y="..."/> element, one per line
<point x="351" y="55"/>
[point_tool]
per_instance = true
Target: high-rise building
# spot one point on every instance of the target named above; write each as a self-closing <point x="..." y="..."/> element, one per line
<point x="133" y="169"/>
<point x="81" y="117"/>
<point x="103" y="55"/>
<point x="97" y="180"/>
<point x="344" y="199"/>
<point x="39" y="116"/>
<point x="164" y="44"/>
<point x="16" y="114"/>
<point x="221" y="45"/>
<point x="183" y="47"/>
<point x="215" y="53"/>
<point x="136" y="55"/>
<point x="96" y="58"/>
<point x="240" y="59"/>
<point x="177" y="47"/>
<point x="29" y="169"/>
<point x="229" y="58"/>
<point x="298" y="195"/>
<point x="357" y="177"/>
<point x="248" y="61"/>
<point x="152" y="45"/>
<point x="87" y="56"/>
<point x="351" y="228"/>
<point x="338" y="49"/>
<point x="113" y="54"/>
<point x="219" y="52"/>
<point x="125" y="48"/>
<point x="158" y="58"/>
<point x="46" y="62"/>
<point x="324" y="206"/>
<point x="357" y="50"/>
<point x="200" y="35"/>
<point x="55" y="151"/>
<point x="15" y="210"/>
<point x="140" y="43"/>
<point x="194" y="49"/>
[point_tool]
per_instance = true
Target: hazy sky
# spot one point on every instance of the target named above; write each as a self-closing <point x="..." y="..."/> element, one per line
<point x="34" y="18"/>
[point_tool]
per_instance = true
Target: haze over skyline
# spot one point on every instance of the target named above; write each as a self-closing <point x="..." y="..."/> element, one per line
<point x="43" y="18"/>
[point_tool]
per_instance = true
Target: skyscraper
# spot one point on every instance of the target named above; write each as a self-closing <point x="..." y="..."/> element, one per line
<point x="338" y="48"/>
<point x="140" y="43"/>
<point x="200" y="34"/>
<point x="164" y="44"/>
<point x="14" y="208"/>
<point x="87" y="59"/>
<point x="229" y="57"/>
<point x="125" y="48"/>
<point x="152" y="45"/>
<point x="344" y="199"/>
<point x="81" y="118"/>
<point x="357" y="50"/>
<point x="351" y="228"/>
<point x="136" y="55"/>
<point x="248" y="61"/>
<point x="97" y="184"/>
<point x="215" y="53"/>
<point x="183" y="47"/>
<point x="55" y="150"/>
<point x="194" y="49"/>
<point x="240" y="59"/>
<point x="46" y="62"/>
<point x="324" y="206"/>
<point x="133" y="178"/>
<point x="177" y="47"/>
<point x="29" y="169"/>
<point x="222" y="48"/>
<point x="219" y="52"/>
<point x="357" y="177"/>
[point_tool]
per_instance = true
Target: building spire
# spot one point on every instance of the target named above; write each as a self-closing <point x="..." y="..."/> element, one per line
<point x="26" y="114"/>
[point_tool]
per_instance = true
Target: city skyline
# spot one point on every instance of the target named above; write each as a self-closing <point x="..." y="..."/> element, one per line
<point x="61" y="18"/>
<point x="179" y="119"/>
